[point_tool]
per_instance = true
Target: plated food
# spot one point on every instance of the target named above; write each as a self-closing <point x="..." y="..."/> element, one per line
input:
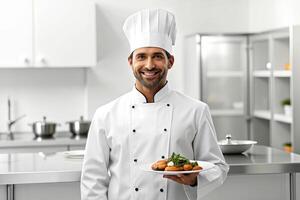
<point x="176" y="162"/>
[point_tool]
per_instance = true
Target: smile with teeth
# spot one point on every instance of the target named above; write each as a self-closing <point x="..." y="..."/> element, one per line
<point x="149" y="74"/>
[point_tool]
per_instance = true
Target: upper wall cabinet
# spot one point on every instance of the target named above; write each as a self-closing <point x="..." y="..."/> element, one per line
<point x="47" y="33"/>
<point x="16" y="33"/>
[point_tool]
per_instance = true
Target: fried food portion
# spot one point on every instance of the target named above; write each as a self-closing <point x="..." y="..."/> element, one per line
<point x="187" y="167"/>
<point x="176" y="162"/>
<point x="159" y="165"/>
<point x="173" y="168"/>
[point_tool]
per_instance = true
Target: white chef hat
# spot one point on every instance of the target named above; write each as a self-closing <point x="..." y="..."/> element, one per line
<point x="151" y="28"/>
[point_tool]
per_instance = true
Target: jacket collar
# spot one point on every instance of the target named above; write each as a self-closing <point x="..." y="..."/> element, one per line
<point x="138" y="97"/>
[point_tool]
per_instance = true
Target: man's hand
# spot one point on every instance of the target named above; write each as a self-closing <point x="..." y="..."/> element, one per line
<point x="186" y="179"/>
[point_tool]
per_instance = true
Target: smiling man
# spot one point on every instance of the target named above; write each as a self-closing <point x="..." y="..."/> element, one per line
<point x="148" y="124"/>
<point x="150" y="67"/>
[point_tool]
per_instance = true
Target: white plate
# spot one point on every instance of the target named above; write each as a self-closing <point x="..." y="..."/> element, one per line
<point x="74" y="154"/>
<point x="205" y="166"/>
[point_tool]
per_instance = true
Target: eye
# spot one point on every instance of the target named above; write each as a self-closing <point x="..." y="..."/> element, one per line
<point x="159" y="56"/>
<point x="140" y="57"/>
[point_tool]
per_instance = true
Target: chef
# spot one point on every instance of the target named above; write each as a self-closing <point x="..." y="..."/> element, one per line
<point x="149" y="124"/>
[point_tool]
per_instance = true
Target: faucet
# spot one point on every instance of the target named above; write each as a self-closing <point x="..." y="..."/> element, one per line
<point x="11" y="122"/>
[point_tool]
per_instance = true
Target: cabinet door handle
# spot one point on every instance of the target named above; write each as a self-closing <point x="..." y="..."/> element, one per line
<point x="43" y="60"/>
<point x="26" y="60"/>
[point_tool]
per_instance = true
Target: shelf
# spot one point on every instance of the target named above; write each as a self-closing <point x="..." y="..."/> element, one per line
<point x="262" y="73"/>
<point x="282" y="73"/>
<point x="283" y="118"/>
<point x="263" y="114"/>
<point x="213" y="74"/>
<point x="227" y="112"/>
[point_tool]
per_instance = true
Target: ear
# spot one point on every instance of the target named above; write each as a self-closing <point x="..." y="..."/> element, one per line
<point x="171" y="62"/>
<point x="130" y="61"/>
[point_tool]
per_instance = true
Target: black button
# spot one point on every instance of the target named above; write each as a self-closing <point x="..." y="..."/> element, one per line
<point x="135" y="160"/>
<point x="163" y="157"/>
<point x="162" y="190"/>
<point x="165" y="129"/>
<point x="168" y="104"/>
<point x="132" y="106"/>
<point x="136" y="189"/>
<point x="133" y="130"/>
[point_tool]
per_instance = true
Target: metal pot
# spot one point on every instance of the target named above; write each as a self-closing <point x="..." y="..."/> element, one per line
<point x="229" y="146"/>
<point x="43" y="128"/>
<point x="79" y="127"/>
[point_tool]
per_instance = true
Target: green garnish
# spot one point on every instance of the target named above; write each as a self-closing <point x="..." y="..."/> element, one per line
<point x="180" y="160"/>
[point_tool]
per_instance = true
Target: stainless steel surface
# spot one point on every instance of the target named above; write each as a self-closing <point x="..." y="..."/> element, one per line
<point x="34" y="168"/>
<point x="263" y="160"/>
<point x="295" y="93"/>
<point x="23" y="168"/>
<point x="292" y="186"/>
<point x="199" y="59"/>
<point x="79" y="127"/>
<point x="230" y="146"/>
<point x="10" y="192"/>
<point x="11" y="122"/>
<point x="43" y="128"/>
<point x="222" y="62"/>
<point x="27" y="139"/>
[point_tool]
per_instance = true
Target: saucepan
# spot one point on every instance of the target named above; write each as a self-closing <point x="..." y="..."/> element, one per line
<point x="79" y="127"/>
<point x="44" y="128"/>
<point x="230" y="146"/>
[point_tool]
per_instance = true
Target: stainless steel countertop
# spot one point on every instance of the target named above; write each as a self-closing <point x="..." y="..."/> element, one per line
<point x="263" y="160"/>
<point x="20" y="168"/>
<point x="27" y="139"/>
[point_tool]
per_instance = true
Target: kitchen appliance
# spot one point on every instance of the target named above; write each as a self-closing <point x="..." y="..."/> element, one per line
<point x="79" y="128"/>
<point x="217" y="73"/>
<point x="230" y="146"/>
<point x="44" y="129"/>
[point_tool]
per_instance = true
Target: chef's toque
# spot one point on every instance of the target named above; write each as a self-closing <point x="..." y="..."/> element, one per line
<point x="151" y="28"/>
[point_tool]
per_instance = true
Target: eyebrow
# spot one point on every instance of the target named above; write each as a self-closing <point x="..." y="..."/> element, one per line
<point x="143" y="54"/>
<point x="158" y="53"/>
<point x="138" y="54"/>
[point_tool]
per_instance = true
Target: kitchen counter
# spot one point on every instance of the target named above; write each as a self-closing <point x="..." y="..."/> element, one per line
<point x="263" y="160"/>
<point x="55" y="167"/>
<point x="30" y="171"/>
<point x="28" y="140"/>
<point x="21" y="168"/>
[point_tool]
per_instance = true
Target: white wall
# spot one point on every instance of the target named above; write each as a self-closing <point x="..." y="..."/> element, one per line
<point x="57" y="94"/>
<point x="271" y="14"/>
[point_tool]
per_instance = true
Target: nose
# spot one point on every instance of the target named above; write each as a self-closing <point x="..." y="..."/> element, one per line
<point x="150" y="64"/>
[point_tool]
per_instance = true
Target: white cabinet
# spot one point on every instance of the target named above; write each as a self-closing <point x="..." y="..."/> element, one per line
<point x="47" y="33"/>
<point x="15" y="33"/>
<point x="48" y="191"/>
<point x="64" y="33"/>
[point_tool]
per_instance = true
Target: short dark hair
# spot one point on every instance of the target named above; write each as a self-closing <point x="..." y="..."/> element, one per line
<point x="167" y="53"/>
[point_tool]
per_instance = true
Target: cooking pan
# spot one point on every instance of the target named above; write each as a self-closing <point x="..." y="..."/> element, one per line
<point x="230" y="146"/>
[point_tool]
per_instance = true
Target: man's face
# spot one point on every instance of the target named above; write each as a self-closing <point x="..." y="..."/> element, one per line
<point x="150" y="66"/>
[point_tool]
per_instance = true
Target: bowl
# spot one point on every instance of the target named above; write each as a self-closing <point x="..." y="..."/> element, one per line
<point x="230" y="146"/>
<point x="79" y="127"/>
<point x="43" y="128"/>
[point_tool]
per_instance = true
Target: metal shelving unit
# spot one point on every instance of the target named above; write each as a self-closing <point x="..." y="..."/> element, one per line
<point x="271" y="83"/>
<point x="243" y="79"/>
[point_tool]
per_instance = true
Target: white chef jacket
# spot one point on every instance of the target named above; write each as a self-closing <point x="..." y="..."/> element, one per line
<point x="128" y="133"/>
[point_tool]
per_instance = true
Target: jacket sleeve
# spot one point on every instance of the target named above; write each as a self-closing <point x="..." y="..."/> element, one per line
<point x="95" y="177"/>
<point x="207" y="149"/>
